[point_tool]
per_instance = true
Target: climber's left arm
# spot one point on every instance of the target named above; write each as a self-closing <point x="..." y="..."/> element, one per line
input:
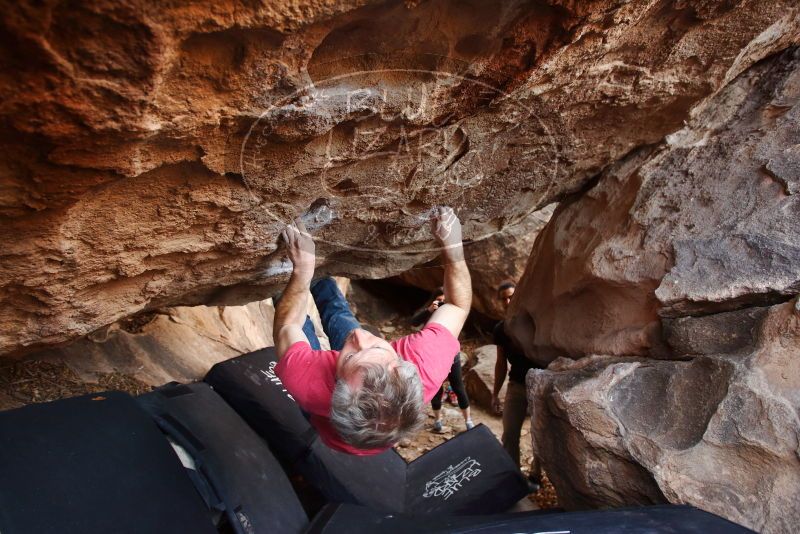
<point x="290" y="314"/>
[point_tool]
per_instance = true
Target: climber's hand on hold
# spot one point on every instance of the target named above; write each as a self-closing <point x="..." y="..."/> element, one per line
<point x="447" y="229"/>
<point x="290" y="313"/>
<point x="457" y="283"/>
<point x="300" y="248"/>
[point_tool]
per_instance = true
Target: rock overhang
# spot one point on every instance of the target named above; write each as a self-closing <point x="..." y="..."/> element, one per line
<point x="126" y="187"/>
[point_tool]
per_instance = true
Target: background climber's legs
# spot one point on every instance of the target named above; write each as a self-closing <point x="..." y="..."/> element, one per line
<point x="457" y="383"/>
<point x="515" y="410"/>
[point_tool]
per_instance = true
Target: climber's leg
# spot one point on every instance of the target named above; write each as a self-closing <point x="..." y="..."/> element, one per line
<point x="337" y="319"/>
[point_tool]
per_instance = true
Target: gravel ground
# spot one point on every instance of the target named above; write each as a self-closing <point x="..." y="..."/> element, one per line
<point x="27" y="382"/>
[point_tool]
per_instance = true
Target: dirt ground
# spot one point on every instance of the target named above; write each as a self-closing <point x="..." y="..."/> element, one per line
<point x="27" y="382"/>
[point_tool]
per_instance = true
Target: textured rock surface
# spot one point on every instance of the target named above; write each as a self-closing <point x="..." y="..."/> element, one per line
<point x="672" y="283"/>
<point x="479" y="379"/>
<point x="720" y="431"/>
<point x="500" y="257"/>
<point x="175" y="344"/>
<point x="151" y="153"/>
<point x="705" y="222"/>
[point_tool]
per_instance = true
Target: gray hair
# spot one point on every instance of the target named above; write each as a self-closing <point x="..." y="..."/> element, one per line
<point x="386" y="407"/>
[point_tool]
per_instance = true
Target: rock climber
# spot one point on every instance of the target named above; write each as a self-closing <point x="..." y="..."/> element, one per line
<point x="454" y="376"/>
<point x="515" y="406"/>
<point x="366" y="394"/>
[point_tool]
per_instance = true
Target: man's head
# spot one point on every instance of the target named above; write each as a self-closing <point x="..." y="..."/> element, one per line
<point x="505" y="291"/>
<point x="378" y="397"/>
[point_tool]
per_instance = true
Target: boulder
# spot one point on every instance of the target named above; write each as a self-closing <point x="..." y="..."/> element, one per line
<point x="719" y="430"/>
<point x="468" y="360"/>
<point x="152" y="153"/>
<point x="664" y="301"/>
<point x="479" y="379"/>
<point x="705" y="222"/>
<point x="176" y="344"/>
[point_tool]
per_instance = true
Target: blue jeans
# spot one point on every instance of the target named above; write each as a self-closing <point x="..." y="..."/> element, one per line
<point x="337" y="319"/>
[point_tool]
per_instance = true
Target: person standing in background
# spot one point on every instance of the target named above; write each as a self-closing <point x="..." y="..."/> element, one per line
<point x="515" y="406"/>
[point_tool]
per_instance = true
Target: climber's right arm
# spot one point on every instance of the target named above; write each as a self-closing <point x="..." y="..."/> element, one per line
<point x="290" y="314"/>
<point x="457" y="283"/>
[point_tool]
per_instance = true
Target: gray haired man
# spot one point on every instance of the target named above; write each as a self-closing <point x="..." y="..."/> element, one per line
<point x="366" y="394"/>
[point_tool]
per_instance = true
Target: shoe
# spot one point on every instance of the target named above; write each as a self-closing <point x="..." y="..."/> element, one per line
<point x="437" y="426"/>
<point x="470" y="424"/>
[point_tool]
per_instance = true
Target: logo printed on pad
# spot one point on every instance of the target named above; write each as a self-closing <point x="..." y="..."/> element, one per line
<point x="449" y="481"/>
<point x="273" y="378"/>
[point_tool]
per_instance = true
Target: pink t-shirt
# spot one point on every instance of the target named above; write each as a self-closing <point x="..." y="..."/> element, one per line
<point x="310" y="375"/>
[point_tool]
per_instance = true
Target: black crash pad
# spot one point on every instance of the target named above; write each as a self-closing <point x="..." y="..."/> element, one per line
<point x="351" y="519"/>
<point x="470" y="473"/>
<point x="248" y="482"/>
<point x="92" y="464"/>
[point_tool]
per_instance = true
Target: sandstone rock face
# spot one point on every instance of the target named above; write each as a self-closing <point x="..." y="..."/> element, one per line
<point x="151" y="153"/>
<point x="707" y="221"/>
<point x="175" y="344"/>
<point x="179" y="344"/>
<point x="720" y="431"/>
<point x="492" y="261"/>
<point x="672" y="284"/>
<point x="479" y="378"/>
